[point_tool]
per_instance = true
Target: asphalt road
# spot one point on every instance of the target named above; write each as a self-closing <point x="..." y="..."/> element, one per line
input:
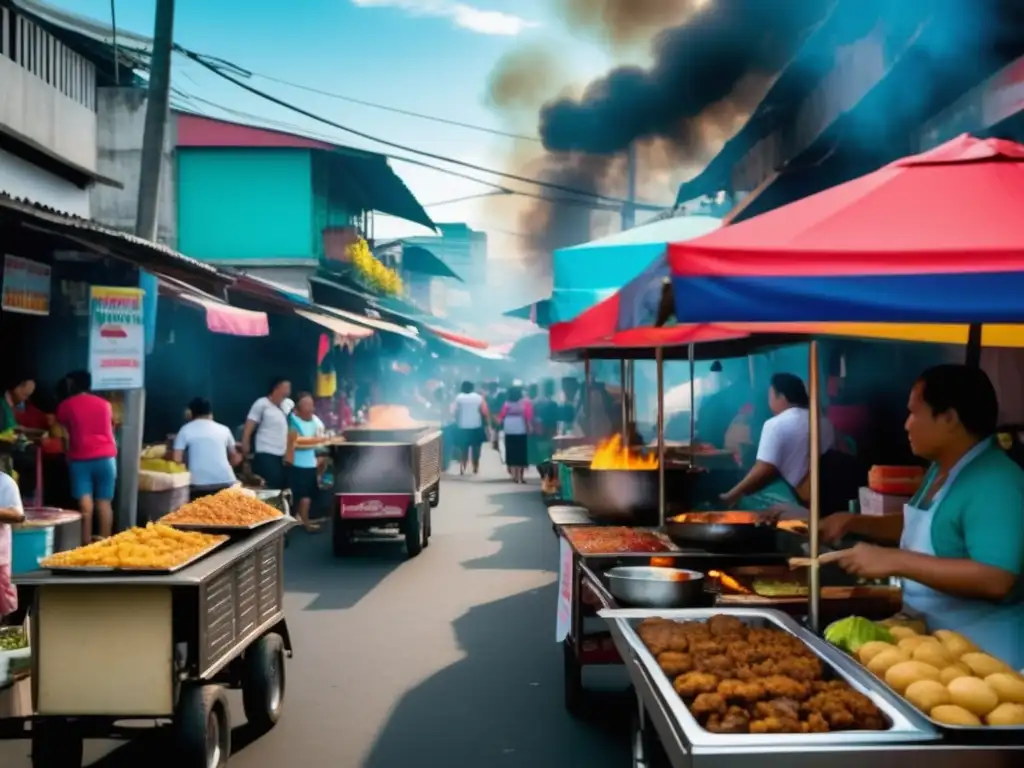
<point x="445" y="660"/>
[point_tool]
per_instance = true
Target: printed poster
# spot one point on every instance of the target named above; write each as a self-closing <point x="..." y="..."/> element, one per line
<point x="563" y="621"/>
<point x="117" y="338"/>
<point x="26" y="286"/>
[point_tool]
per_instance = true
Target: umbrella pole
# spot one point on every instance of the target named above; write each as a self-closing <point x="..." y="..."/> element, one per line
<point x="693" y="416"/>
<point x="659" y="357"/>
<point x="625" y="403"/>
<point x="973" y="346"/>
<point x="586" y="396"/>
<point x="814" y="573"/>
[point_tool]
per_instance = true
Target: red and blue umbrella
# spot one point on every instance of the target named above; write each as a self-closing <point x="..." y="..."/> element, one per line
<point x="931" y="238"/>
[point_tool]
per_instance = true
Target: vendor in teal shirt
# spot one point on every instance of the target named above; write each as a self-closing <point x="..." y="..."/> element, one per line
<point x="961" y="538"/>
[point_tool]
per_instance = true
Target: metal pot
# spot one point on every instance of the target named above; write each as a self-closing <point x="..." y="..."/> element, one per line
<point x="723" y="530"/>
<point x="647" y="587"/>
<point x="628" y="496"/>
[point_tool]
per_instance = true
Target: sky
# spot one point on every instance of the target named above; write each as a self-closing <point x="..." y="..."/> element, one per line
<point x="428" y="56"/>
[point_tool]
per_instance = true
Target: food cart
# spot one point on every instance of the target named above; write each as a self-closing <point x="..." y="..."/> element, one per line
<point x="116" y="644"/>
<point x="386" y="478"/>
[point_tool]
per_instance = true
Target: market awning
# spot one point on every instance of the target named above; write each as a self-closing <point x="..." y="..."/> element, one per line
<point x="932" y="238"/>
<point x="369" y="181"/>
<point x="539" y="313"/>
<point x="220" y="316"/>
<point x="485" y="354"/>
<point x="416" y="258"/>
<point x="338" y="326"/>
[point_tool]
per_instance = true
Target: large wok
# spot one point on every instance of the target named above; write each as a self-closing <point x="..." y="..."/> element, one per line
<point x="629" y="496"/>
<point x="747" y="531"/>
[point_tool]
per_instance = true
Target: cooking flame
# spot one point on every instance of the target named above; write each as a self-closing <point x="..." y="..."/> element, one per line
<point x="662" y="562"/>
<point x="390" y="417"/>
<point x="612" y="454"/>
<point x="728" y="582"/>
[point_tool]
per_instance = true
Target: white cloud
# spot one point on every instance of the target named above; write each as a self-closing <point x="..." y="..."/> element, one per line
<point x="479" y="20"/>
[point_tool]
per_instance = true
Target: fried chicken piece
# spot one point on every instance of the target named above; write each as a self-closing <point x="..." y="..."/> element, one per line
<point x="735" y="720"/>
<point x="694" y="683"/>
<point x="781" y="709"/>
<point x="748" y="691"/>
<point x="673" y="663"/>
<point x="655" y="634"/>
<point x="776" y="725"/>
<point x="780" y="686"/>
<point x="708" y="703"/>
<point x="706" y="645"/>
<point x="823" y="686"/>
<point x="816" y="723"/>
<point x="726" y="626"/>
<point x="744" y="653"/>
<point x="693" y="628"/>
<point x="720" y="665"/>
<point x="845" y="709"/>
<point x="800" y="668"/>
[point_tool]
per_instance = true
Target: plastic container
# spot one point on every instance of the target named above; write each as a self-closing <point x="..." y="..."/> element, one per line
<point x="28" y="546"/>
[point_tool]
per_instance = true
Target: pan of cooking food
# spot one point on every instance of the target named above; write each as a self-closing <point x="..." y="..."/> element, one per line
<point x="628" y="496"/>
<point x="649" y="587"/>
<point x="755" y="678"/>
<point x="723" y="530"/>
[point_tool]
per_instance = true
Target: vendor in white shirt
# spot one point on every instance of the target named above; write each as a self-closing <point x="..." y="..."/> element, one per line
<point x="11" y="511"/>
<point x="268" y="421"/>
<point x="208" y="449"/>
<point x="780" y="473"/>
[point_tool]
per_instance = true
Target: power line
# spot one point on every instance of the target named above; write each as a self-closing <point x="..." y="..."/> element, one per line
<point x="396" y="110"/>
<point x="202" y="61"/>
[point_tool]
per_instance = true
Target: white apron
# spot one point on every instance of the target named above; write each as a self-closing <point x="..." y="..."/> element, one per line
<point x="997" y="629"/>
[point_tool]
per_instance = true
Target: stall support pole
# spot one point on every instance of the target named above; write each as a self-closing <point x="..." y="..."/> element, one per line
<point x="586" y="396"/>
<point x="659" y="358"/>
<point x="691" y="354"/>
<point x="814" y="572"/>
<point x="625" y="402"/>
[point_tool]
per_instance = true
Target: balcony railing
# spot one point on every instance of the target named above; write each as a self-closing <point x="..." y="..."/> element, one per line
<point x="37" y="51"/>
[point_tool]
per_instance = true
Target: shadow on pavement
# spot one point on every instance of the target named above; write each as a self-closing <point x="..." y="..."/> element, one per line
<point x="339" y="582"/>
<point x="492" y="708"/>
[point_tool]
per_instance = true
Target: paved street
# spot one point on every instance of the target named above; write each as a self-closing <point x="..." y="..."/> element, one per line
<point x="446" y="660"/>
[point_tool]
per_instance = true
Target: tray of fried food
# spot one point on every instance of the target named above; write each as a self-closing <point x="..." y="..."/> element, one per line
<point x="755" y="676"/>
<point x="229" y="510"/>
<point x="154" y="549"/>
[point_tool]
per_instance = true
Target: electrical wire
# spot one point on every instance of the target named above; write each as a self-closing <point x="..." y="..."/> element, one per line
<point x="205" y="62"/>
<point x="396" y="110"/>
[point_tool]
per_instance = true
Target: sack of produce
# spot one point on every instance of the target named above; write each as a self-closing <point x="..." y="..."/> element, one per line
<point x="854" y="631"/>
<point x="151" y="481"/>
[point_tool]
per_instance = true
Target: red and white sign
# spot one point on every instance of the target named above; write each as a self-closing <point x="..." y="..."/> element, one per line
<point x="373" y="505"/>
<point x="563" y="622"/>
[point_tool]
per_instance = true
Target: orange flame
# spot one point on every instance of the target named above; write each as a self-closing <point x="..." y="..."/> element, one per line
<point x="390" y="417"/>
<point x="612" y="454"/>
<point x="728" y="582"/>
<point x="662" y="562"/>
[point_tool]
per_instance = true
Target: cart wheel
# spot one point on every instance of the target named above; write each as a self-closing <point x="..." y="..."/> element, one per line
<point x="572" y="680"/>
<point x="413" y="528"/>
<point x="263" y="682"/>
<point x="203" y="724"/>
<point x="341" y="539"/>
<point x="56" y="744"/>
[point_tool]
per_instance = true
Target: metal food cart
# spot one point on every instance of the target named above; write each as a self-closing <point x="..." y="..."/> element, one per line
<point x="386" y="478"/>
<point x="109" y="647"/>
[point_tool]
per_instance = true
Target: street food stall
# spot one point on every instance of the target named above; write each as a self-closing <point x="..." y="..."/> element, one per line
<point x="387" y="476"/>
<point x="156" y="624"/>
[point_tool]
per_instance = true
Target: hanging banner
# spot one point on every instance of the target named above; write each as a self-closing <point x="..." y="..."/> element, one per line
<point x="117" y="338"/>
<point x="26" y="287"/>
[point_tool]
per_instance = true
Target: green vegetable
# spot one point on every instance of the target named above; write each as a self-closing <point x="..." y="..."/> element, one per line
<point x="12" y="639"/>
<point x="854" y="631"/>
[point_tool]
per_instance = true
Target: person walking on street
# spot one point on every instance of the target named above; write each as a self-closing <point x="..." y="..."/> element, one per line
<point x="305" y="435"/>
<point x="268" y="421"/>
<point x="515" y="418"/>
<point x="471" y="416"/>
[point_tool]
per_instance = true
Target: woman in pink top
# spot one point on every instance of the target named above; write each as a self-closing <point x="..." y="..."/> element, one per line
<point x="515" y="418"/>
<point x="92" y="453"/>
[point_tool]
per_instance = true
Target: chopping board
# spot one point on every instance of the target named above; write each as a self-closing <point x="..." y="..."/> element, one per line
<point x="836" y="602"/>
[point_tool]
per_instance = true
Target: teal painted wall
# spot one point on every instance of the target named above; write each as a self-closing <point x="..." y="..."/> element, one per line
<point x="246" y="204"/>
<point x="329" y="210"/>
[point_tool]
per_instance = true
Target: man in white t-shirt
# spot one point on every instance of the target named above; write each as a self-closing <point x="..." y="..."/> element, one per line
<point x="268" y="420"/>
<point x="208" y="449"/>
<point x="11" y="511"/>
<point x="784" y="451"/>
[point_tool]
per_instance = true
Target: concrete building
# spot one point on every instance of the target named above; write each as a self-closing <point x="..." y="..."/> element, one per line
<point x="48" y="119"/>
<point x="464" y="251"/>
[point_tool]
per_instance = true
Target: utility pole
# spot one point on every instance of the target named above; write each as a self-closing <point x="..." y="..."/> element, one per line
<point x="146" y="227"/>
<point x="629" y="209"/>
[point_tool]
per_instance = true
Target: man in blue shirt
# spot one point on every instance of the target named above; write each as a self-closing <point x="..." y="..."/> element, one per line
<point x="961" y="538"/>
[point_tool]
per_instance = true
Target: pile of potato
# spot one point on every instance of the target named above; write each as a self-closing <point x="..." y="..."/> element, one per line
<point x="946" y="676"/>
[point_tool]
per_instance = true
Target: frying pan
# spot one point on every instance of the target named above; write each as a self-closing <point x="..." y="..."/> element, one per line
<point x="723" y="530"/>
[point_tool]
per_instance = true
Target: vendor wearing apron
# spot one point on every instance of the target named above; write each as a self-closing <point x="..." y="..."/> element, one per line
<point x="11" y="511"/>
<point x="208" y="449"/>
<point x="961" y="538"/>
<point x="783" y="453"/>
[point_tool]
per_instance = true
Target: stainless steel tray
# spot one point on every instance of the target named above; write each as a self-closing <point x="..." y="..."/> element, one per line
<point x="963" y="734"/>
<point x="907" y="724"/>
<point x="213" y="528"/>
<point x="116" y="570"/>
